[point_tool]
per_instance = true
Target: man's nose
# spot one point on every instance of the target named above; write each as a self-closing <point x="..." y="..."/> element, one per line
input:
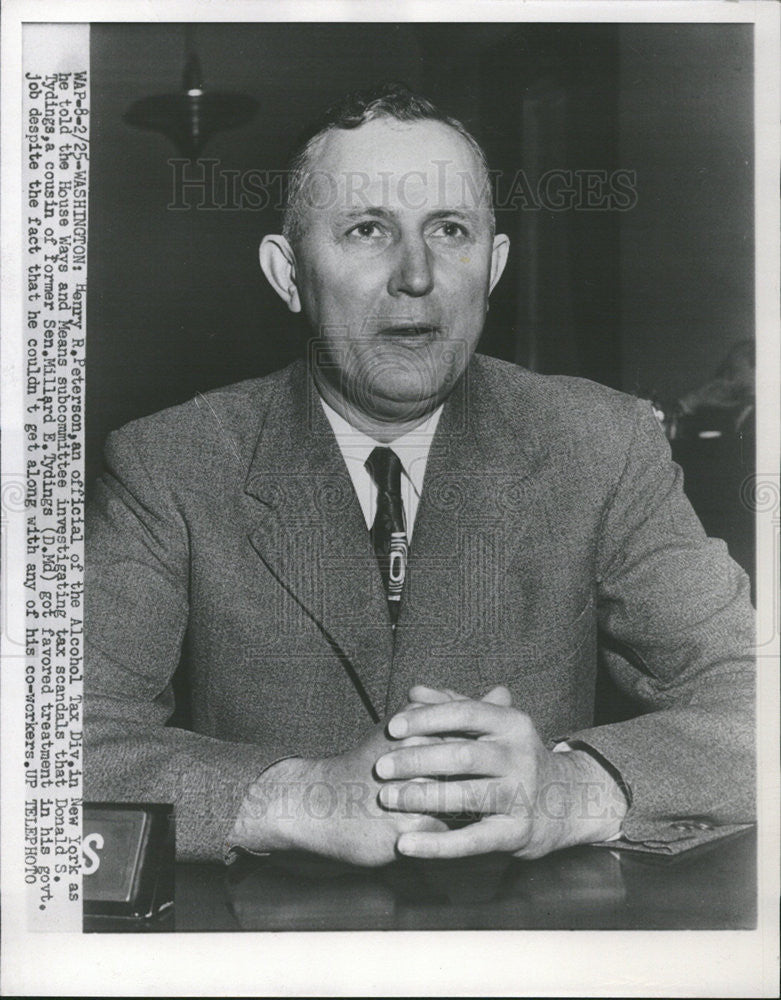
<point x="412" y="274"/>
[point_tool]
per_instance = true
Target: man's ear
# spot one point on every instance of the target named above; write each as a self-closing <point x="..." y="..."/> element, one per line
<point x="498" y="258"/>
<point x="279" y="265"/>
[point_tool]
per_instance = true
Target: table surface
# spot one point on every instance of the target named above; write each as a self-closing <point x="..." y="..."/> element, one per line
<point x="711" y="887"/>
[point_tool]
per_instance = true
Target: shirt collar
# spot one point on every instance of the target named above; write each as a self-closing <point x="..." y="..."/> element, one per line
<point x="412" y="447"/>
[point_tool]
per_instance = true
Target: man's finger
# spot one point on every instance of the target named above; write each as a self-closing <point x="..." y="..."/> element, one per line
<point x="499" y="695"/>
<point x="424" y="695"/>
<point x="412" y="822"/>
<point x="442" y="758"/>
<point x="474" y="797"/>
<point x="465" y="716"/>
<point x="419" y="740"/>
<point x="493" y="833"/>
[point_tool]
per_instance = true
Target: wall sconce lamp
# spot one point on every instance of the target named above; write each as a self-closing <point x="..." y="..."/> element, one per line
<point x="191" y="117"/>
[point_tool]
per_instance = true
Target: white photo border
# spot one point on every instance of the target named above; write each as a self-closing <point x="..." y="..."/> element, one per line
<point x="538" y="963"/>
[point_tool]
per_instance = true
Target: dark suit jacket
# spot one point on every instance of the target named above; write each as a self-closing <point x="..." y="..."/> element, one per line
<point x="551" y="522"/>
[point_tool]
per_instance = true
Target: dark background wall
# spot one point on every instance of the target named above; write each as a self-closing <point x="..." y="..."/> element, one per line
<point x="685" y="117"/>
<point x="645" y="300"/>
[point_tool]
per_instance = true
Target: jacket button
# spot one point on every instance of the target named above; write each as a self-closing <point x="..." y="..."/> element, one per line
<point x="691" y="824"/>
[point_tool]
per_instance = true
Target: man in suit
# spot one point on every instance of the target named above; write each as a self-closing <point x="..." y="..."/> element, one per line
<point x="390" y="567"/>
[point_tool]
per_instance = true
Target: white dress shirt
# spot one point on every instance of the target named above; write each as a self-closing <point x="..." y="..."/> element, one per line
<point x="412" y="449"/>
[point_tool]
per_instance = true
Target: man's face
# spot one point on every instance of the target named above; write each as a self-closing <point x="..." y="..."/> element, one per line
<point x="395" y="262"/>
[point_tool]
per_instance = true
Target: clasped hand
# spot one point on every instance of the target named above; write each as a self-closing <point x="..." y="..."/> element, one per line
<point x="483" y="763"/>
<point x="447" y="777"/>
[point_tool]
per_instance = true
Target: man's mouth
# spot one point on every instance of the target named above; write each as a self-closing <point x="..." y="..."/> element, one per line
<point x="410" y="332"/>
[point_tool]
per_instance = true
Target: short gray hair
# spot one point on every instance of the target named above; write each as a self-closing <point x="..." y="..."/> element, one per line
<point x="386" y="100"/>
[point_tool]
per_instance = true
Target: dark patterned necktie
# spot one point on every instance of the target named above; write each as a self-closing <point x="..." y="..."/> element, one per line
<point x="388" y="535"/>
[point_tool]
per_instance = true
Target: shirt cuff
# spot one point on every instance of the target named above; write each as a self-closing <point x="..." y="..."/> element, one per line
<point x="564" y="747"/>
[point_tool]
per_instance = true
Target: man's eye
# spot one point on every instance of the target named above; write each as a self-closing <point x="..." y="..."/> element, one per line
<point x="450" y="231"/>
<point x="366" y="231"/>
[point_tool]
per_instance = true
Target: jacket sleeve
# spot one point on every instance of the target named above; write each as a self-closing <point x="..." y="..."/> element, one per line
<point x="678" y="625"/>
<point x="137" y="573"/>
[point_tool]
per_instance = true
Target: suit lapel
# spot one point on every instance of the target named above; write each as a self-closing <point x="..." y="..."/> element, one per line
<point x="478" y="492"/>
<point x="308" y="528"/>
